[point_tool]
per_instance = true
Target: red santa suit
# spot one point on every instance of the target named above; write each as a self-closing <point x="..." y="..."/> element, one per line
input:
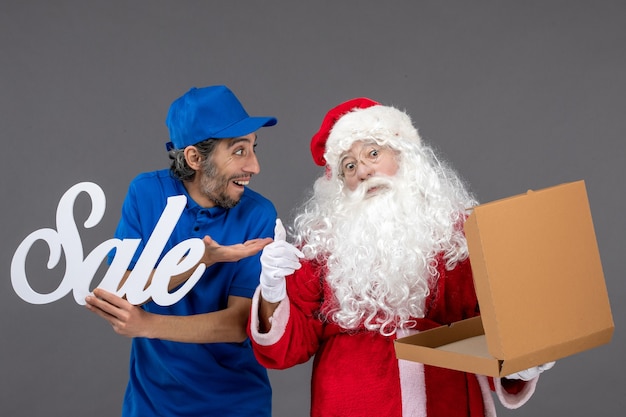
<point x="356" y="372"/>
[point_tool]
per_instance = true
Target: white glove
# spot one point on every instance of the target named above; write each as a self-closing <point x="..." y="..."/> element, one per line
<point x="531" y="373"/>
<point x="278" y="260"/>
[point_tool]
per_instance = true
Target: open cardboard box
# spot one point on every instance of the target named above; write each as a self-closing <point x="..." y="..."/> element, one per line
<point x="539" y="282"/>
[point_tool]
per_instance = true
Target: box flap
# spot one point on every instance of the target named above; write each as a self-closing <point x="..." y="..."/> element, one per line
<point x="461" y="346"/>
<point x="537" y="271"/>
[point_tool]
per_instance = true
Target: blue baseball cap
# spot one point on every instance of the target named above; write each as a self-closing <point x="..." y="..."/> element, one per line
<point x="210" y="113"/>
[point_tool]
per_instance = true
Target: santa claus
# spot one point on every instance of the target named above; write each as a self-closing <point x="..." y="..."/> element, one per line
<point x="378" y="253"/>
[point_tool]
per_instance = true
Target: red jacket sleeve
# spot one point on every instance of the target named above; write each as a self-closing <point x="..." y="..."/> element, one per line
<point x="298" y="339"/>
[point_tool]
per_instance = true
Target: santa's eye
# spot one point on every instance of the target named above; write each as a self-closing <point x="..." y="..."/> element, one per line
<point x="348" y="167"/>
<point x="373" y="154"/>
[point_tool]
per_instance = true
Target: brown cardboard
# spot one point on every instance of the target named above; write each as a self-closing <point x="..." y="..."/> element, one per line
<point x="539" y="282"/>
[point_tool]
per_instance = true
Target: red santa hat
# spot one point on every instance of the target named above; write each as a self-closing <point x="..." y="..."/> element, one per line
<point x="318" y="142"/>
<point x="360" y="119"/>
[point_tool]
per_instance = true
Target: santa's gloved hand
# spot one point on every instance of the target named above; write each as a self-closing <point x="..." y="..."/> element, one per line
<point x="531" y="373"/>
<point x="278" y="260"/>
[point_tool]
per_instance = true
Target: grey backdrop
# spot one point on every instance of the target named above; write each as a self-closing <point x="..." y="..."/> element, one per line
<point x="516" y="94"/>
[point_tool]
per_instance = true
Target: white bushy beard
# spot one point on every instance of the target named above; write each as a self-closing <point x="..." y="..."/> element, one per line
<point x="381" y="250"/>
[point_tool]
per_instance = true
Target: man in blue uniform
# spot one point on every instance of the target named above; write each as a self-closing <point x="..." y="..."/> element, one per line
<point x="193" y="358"/>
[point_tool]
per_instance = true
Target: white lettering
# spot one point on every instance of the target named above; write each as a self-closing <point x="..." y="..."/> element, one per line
<point x="79" y="272"/>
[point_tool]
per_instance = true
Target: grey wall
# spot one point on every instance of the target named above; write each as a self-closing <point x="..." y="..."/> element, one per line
<point x="517" y="95"/>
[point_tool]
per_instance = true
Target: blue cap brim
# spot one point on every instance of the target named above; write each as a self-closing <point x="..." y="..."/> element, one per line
<point x="244" y="127"/>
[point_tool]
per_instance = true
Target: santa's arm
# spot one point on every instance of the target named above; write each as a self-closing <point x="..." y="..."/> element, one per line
<point x="514" y="393"/>
<point x="515" y="390"/>
<point x="270" y="313"/>
<point x="295" y="329"/>
<point x="268" y="330"/>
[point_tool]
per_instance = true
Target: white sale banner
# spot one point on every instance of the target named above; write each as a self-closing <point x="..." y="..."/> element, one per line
<point x="80" y="269"/>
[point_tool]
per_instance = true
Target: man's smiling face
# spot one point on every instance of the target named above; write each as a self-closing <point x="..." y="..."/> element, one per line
<point x="229" y="169"/>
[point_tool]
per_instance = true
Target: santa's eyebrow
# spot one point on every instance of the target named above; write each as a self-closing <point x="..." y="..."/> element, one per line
<point x="346" y="156"/>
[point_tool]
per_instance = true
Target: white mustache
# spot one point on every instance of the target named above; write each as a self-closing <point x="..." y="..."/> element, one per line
<point x="362" y="189"/>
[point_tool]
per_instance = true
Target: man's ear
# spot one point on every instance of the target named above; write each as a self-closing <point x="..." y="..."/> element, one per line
<point x="193" y="157"/>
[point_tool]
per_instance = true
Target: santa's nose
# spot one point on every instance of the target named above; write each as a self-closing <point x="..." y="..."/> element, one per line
<point x="364" y="170"/>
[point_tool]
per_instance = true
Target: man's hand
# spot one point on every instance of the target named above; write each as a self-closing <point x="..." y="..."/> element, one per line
<point x="214" y="252"/>
<point x="126" y="319"/>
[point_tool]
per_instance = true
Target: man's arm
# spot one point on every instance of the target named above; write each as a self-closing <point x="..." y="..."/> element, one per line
<point x="213" y="253"/>
<point x="227" y="325"/>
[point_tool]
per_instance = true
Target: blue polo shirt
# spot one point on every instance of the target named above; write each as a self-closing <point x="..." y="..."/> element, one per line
<point x="188" y="379"/>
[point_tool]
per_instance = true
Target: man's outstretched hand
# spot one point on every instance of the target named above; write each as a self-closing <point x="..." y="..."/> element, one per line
<point x="214" y="252"/>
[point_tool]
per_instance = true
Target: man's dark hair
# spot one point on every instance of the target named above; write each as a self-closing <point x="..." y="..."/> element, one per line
<point x="179" y="167"/>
